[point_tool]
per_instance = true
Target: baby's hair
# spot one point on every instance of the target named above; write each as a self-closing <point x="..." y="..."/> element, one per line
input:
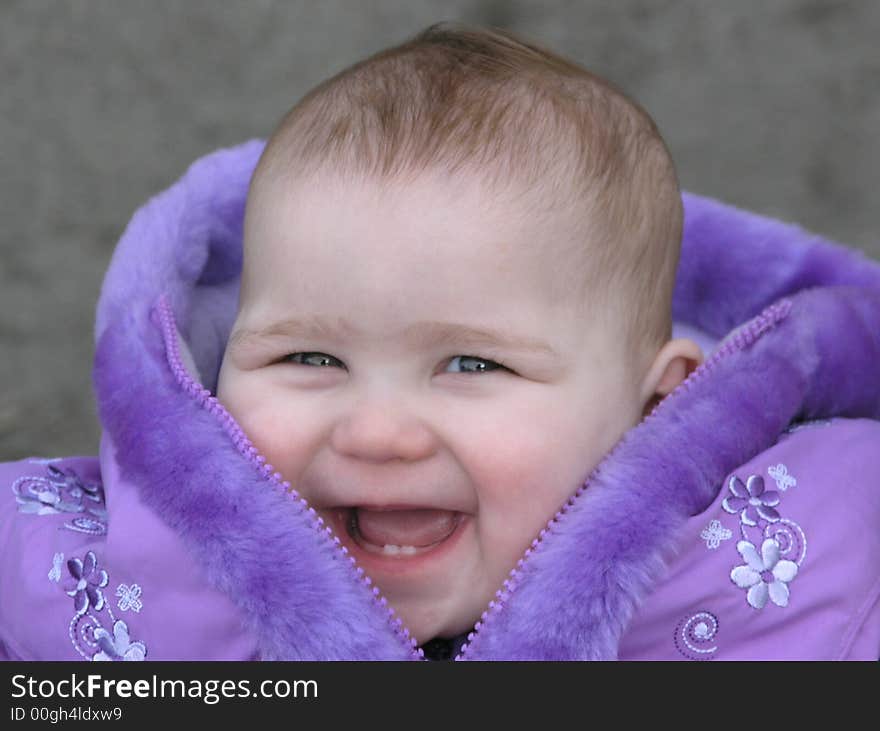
<point x="523" y="119"/>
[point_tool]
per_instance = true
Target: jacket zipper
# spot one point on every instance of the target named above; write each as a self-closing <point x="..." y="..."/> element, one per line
<point x="246" y="448"/>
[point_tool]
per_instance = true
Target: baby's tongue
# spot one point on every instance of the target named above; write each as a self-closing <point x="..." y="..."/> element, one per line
<point x="405" y="527"/>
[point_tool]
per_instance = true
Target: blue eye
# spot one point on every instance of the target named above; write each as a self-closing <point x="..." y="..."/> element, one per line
<point x="472" y="364"/>
<point x="458" y="364"/>
<point x="313" y="359"/>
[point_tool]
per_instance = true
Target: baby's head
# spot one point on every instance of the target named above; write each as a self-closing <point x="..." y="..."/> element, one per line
<point x="456" y="298"/>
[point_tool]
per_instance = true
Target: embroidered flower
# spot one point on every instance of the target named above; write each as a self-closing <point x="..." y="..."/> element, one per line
<point x="765" y="576"/>
<point x="77" y="488"/>
<point x="714" y="533"/>
<point x="88" y="580"/>
<point x="63" y="491"/>
<point x="119" y="646"/>
<point x="129" y="597"/>
<point x="55" y="571"/>
<point x="751" y="501"/>
<point x="779" y="472"/>
<point x="38" y="495"/>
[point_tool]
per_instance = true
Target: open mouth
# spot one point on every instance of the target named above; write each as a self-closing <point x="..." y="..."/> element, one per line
<point x="400" y="532"/>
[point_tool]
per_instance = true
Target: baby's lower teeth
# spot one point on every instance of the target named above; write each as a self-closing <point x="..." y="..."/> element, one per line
<point x="392" y="550"/>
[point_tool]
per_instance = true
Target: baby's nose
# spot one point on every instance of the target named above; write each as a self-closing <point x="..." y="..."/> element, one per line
<point x="381" y="432"/>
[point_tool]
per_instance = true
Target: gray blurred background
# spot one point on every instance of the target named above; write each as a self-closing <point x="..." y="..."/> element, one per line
<point x="772" y="106"/>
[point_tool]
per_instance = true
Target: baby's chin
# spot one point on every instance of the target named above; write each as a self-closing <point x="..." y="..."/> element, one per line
<point x="427" y="631"/>
<point x="427" y="620"/>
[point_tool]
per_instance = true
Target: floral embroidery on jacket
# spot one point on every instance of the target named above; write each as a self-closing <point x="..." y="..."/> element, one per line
<point x="129" y="598"/>
<point x="772" y="547"/>
<point x="55" y="571"/>
<point x="63" y="491"/>
<point x="714" y="533"/>
<point x="751" y="501"/>
<point x="88" y="629"/>
<point x="88" y="580"/>
<point x="790" y="538"/>
<point x="765" y="576"/>
<point x="119" y="646"/>
<point x="779" y="472"/>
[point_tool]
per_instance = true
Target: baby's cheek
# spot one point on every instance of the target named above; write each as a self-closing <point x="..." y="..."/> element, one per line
<point x="275" y="435"/>
<point x="529" y="476"/>
<point x="509" y="469"/>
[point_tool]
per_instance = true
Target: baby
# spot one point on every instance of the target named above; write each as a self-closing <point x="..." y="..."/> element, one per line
<point x="453" y="355"/>
<point x="459" y="258"/>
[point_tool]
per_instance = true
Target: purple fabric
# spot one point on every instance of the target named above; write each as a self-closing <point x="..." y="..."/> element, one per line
<point x="828" y="528"/>
<point x="815" y="353"/>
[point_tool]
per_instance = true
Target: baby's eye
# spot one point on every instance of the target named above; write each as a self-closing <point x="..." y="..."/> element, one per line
<point x="313" y="359"/>
<point x="472" y="364"/>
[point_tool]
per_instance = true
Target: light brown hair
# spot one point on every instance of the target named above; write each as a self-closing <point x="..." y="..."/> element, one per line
<point x="486" y="102"/>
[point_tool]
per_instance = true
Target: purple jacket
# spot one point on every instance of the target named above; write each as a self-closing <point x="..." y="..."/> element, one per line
<point x="740" y="520"/>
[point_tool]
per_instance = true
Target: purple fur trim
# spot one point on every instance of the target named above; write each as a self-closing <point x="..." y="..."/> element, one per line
<point x="735" y="263"/>
<point x="574" y="593"/>
<point x="245" y="447"/>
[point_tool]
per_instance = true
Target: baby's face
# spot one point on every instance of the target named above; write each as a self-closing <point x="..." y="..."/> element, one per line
<point x="411" y="361"/>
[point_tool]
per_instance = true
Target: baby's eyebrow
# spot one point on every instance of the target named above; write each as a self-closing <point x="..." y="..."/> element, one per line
<point x="418" y="334"/>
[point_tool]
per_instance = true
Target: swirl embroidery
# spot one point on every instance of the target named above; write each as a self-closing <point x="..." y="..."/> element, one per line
<point x="695" y="636"/>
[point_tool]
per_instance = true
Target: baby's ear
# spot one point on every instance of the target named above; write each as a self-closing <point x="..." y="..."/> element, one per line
<point x="675" y="362"/>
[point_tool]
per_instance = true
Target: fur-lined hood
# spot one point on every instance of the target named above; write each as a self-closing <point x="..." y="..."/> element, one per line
<point x="800" y="323"/>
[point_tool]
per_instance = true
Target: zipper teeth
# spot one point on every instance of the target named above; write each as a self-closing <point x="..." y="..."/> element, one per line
<point x="740" y="340"/>
<point x="245" y="447"/>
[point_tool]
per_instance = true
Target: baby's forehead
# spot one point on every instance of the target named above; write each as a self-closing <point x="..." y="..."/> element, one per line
<point x="463" y="215"/>
<point x="479" y="199"/>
